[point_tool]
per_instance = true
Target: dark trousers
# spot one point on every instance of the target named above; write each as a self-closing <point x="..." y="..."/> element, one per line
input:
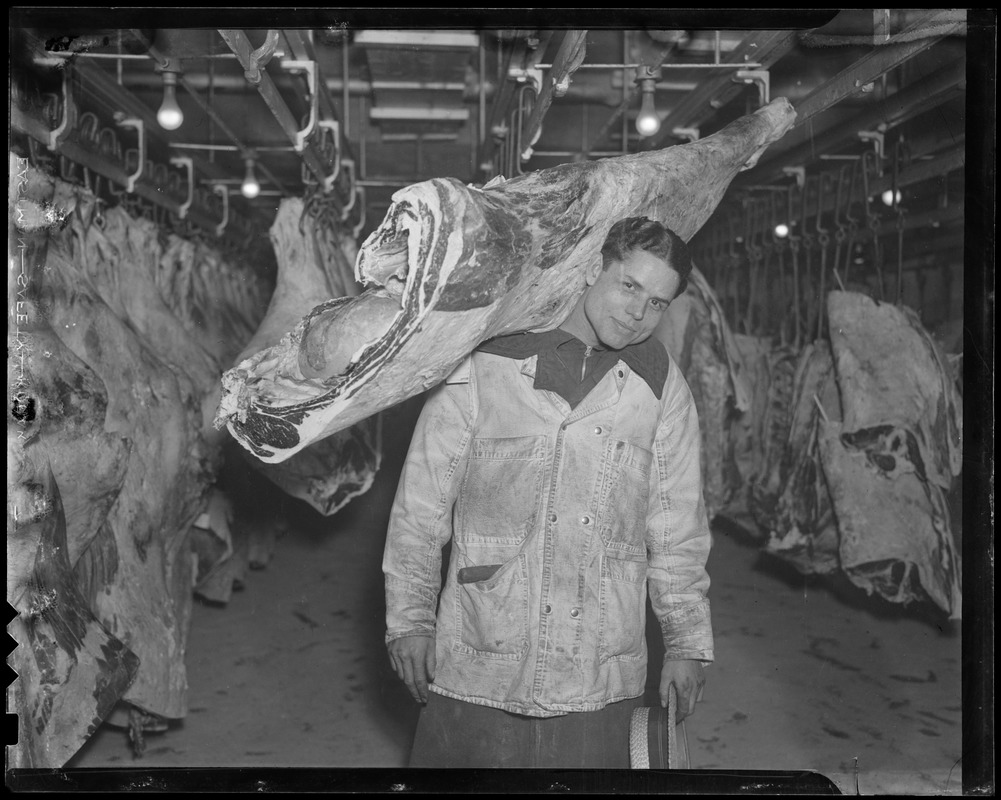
<point x="456" y="734"/>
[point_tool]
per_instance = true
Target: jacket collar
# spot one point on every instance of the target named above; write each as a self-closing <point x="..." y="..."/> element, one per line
<point x="648" y="359"/>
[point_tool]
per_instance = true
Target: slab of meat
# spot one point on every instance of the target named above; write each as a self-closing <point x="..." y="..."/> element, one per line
<point x="70" y="669"/>
<point x="799" y="516"/>
<point x="895" y="454"/>
<point x="455" y="265"/>
<point x="121" y="257"/>
<point x="895" y="533"/>
<point x="862" y="455"/>
<point x="313" y="268"/>
<point x="133" y="591"/>
<point x="747" y="430"/>
<point x="697" y="336"/>
<point x="892" y="372"/>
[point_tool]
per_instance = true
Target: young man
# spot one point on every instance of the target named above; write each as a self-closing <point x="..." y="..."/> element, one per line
<point x="564" y="468"/>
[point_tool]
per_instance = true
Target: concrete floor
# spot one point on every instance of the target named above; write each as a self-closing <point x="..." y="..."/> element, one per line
<point x="809" y="674"/>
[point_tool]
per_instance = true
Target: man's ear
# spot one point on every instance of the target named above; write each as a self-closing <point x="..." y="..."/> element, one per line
<point x="594" y="270"/>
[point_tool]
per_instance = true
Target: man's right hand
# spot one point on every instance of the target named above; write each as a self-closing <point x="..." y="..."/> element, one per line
<point x="413" y="659"/>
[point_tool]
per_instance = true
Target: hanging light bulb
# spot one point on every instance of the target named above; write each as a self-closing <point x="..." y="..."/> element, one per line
<point x="781" y="230"/>
<point x="250" y="188"/>
<point x="169" y="116"/>
<point x="648" y="121"/>
<point x="889" y="198"/>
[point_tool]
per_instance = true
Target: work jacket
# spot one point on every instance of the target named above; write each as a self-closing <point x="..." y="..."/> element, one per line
<point x="560" y="519"/>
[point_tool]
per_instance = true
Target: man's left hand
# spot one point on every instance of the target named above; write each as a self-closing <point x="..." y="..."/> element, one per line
<point x="688" y="678"/>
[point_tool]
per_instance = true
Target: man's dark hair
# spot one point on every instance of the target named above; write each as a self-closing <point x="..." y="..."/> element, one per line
<point x="642" y="233"/>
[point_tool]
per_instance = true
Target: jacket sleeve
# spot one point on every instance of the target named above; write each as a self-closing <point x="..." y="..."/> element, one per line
<point x="420" y="522"/>
<point x="678" y="538"/>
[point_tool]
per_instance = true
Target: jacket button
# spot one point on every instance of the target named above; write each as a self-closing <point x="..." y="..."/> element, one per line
<point x="597" y="431"/>
<point x="548" y="608"/>
<point x="575" y="612"/>
<point x="552" y="518"/>
<point x="585" y="520"/>
<point x="621" y="373"/>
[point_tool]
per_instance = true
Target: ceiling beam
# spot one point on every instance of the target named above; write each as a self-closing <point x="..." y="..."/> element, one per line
<point x="915" y="39"/>
<point x="939" y="87"/>
<point x="762" y="47"/>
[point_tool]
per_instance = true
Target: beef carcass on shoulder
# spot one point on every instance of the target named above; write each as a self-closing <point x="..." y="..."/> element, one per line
<point x="453" y="265"/>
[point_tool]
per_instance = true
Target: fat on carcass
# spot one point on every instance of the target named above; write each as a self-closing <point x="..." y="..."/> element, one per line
<point x="312" y="268"/>
<point x="453" y="265"/>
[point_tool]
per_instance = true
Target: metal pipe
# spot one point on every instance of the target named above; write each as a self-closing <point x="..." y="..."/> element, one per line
<point x="238" y="42"/>
<point x="386" y="183"/>
<point x="481" y="131"/>
<point x="345" y="97"/>
<point x="747" y="65"/>
<point x="897" y="109"/>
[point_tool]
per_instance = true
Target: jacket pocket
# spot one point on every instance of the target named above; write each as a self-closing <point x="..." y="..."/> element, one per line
<point x="502" y="490"/>
<point x="493" y="613"/>
<point x="622" y="617"/>
<point x="625" y="498"/>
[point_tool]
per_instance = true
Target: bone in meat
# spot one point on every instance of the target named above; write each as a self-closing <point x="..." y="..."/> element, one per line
<point x="468" y="264"/>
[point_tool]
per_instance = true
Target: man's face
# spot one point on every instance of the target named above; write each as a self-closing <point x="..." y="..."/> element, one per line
<point x="624" y="301"/>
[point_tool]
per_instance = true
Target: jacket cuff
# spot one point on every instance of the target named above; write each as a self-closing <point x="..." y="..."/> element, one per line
<point x="688" y="633"/>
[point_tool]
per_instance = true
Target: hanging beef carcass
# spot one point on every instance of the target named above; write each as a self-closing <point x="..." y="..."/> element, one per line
<point x="453" y="265"/>
<point x="746" y="430"/>
<point x="798" y="514"/>
<point x="121" y="257"/>
<point x="313" y="268"/>
<point x="894" y="454"/>
<point x="696" y="334"/>
<point x="70" y="669"/>
<point x="135" y="570"/>
<point x="134" y="573"/>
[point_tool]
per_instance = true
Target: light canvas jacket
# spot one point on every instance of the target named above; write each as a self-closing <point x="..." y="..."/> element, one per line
<point x="579" y="511"/>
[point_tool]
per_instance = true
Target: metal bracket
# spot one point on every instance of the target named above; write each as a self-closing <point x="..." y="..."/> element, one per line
<point x="185" y="161"/>
<point x="356" y="230"/>
<point x="877" y="138"/>
<point x="135" y="122"/>
<point x="756" y="76"/>
<point x="533" y="75"/>
<point x="349" y="166"/>
<point x="798" y="172"/>
<point x="314" y="100"/>
<point x="692" y="134"/>
<point x="334" y="127"/>
<point x="260" y="57"/>
<point x="56" y="136"/>
<point x="223" y="192"/>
